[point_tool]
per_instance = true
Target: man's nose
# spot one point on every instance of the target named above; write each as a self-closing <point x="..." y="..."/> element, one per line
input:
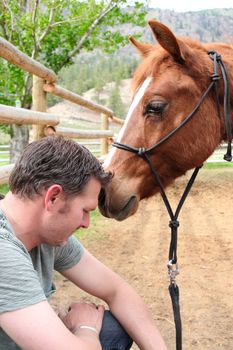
<point x="86" y="221"/>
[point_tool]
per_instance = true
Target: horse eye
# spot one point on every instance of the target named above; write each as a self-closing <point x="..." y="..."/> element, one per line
<point x="155" y="107"/>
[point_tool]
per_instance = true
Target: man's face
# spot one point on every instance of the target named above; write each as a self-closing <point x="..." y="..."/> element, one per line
<point x="70" y="214"/>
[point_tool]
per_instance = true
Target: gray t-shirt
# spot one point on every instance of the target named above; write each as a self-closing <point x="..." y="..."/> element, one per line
<point x="26" y="277"/>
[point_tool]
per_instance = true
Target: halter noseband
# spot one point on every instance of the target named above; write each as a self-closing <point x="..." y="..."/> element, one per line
<point x="174" y="223"/>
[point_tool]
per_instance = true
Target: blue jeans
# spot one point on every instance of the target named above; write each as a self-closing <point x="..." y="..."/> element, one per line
<point x="112" y="335"/>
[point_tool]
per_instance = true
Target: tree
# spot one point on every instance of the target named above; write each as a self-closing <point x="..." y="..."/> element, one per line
<point x="115" y="102"/>
<point x="55" y="31"/>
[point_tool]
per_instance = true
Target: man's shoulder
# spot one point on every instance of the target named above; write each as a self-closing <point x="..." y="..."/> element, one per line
<point x="68" y="255"/>
<point x="11" y="248"/>
<point x="6" y="231"/>
<point x="9" y="241"/>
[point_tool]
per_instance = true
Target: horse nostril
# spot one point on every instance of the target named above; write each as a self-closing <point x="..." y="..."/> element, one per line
<point x="102" y="198"/>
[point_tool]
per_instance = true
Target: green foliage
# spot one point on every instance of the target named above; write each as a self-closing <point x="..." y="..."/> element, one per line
<point x="6" y="129"/>
<point x="115" y="102"/>
<point x="54" y="32"/>
<point x="95" y="71"/>
<point x="11" y="83"/>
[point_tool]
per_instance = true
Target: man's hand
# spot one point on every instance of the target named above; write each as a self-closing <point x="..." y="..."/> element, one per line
<point x="83" y="316"/>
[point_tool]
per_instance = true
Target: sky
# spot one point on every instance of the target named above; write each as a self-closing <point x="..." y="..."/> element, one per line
<point x="190" y="5"/>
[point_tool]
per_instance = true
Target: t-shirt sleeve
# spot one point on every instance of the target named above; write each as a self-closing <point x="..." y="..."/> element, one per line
<point x="68" y="255"/>
<point x="19" y="282"/>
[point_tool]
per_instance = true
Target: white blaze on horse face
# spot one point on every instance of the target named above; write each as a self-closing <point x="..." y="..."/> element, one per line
<point x="137" y="98"/>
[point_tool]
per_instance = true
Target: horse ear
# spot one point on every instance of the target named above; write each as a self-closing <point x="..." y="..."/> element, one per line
<point x="167" y="40"/>
<point x="143" y="48"/>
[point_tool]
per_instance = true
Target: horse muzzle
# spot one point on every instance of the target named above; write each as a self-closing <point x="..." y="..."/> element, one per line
<point x="117" y="208"/>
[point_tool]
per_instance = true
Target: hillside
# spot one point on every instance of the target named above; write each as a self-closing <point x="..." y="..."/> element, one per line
<point x="70" y="112"/>
<point x="96" y="71"/>
<point x="207" y="25"/>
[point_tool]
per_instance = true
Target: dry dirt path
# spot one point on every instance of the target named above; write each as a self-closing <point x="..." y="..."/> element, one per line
<point x="137" y="249"/>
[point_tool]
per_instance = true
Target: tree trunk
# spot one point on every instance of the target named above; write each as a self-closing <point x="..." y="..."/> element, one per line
<point x="19" y="140"/>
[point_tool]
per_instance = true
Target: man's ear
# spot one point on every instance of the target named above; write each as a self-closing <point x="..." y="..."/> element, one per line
<point x="52" y="195"/>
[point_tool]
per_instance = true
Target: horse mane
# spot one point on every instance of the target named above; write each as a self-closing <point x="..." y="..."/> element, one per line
<point x="156" y="58"/>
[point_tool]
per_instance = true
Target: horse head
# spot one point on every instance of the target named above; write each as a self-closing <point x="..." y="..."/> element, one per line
<point x="167" y="86"/>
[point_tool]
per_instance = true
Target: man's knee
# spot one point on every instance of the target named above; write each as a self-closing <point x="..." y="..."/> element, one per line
<point x="112" y="335"/>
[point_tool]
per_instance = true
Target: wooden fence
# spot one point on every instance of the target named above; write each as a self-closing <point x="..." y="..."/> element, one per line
<point x="44" y="81"/>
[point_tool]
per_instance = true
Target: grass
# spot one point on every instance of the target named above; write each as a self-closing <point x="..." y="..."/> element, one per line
<point x="80" y="124"/>
<point x="4" y="189"/>
<point x="5" y="159"/>
<point x="95" y="230"/>
<point x="218" y="165"/>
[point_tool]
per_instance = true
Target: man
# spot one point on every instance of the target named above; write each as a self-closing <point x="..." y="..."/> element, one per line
<point x="53" y="187"/>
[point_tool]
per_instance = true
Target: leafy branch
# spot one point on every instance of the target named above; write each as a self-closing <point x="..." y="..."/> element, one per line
<point x="112" y="4"/>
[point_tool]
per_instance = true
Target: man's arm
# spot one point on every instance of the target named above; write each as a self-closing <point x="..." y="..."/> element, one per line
<point x="37" y="327"/>
<point x="126" y="305"/>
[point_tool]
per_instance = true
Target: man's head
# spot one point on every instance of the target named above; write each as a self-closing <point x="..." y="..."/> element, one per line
<point x="55" y="160"/>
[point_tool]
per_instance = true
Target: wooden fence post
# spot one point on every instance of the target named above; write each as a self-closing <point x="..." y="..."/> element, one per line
<point x="39" y="103"/>
<point x="104" y="141"/>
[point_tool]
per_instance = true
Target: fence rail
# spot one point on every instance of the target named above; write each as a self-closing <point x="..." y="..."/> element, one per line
<point x="14" y="115"/>
<point x="13" y="55"/>
<point x="43" y="123"/>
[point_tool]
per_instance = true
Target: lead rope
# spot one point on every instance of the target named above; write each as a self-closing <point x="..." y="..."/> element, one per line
<point x="172" y="265"/>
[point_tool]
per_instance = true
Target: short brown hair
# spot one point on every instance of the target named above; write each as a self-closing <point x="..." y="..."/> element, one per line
<point x="55" y="160"/>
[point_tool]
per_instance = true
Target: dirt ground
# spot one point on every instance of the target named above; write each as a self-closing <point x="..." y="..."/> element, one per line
<point x="138" y="247"/>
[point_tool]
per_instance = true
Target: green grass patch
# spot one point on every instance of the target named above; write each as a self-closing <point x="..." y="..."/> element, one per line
<point x="95" y="231"/>
<point x="5" y="159"/>
<point x="4" y="188"/>
<point x="218" y="165"/>
<point x="80" y="124"/>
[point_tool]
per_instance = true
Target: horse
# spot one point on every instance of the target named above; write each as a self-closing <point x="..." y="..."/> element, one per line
<point x="167" y="86"/>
